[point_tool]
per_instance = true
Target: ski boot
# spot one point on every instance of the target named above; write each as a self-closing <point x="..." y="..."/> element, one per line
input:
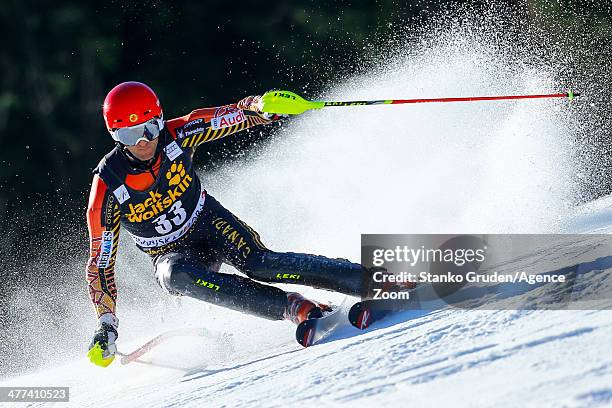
<point x="314" y="320"/>
<point x="300" y="309"/>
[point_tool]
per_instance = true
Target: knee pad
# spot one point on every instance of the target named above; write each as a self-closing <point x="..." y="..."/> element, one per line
<point x="174" y="275"/>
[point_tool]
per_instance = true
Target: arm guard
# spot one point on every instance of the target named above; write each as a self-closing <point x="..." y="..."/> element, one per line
<point x="103" y="221"/>
<point x="209" y="124"/>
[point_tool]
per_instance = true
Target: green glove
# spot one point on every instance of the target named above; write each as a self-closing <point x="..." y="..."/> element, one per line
<point x="102" y="348"/>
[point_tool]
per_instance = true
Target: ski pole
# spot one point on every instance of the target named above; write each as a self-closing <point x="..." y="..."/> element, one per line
<point x="127" y="358"/>
<point x="287" y="102"/>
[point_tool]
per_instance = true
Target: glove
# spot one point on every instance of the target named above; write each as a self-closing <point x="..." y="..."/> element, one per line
<point x="102" y="348"/>
<point x="253" y="103"/>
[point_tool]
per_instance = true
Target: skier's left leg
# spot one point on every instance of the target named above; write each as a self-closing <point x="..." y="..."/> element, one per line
<point x="187" y="274"/>
<point x="241" y="246"/>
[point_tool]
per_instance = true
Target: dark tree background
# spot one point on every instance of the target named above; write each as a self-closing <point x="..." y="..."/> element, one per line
<point x="59" y="58"/>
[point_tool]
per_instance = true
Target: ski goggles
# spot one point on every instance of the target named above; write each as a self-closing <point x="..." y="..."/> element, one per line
<point x="147" y="131"/>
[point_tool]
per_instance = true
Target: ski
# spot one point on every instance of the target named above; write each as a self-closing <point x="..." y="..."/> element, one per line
<point x="363" y="314"/>
<point x="312" y="331"/>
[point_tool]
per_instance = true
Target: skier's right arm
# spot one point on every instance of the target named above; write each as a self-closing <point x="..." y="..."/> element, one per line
<point x="103" y="220"/>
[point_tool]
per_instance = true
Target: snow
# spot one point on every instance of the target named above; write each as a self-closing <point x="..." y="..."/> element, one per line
<point x="463" y="358"/>
<point x="328" y="177"/>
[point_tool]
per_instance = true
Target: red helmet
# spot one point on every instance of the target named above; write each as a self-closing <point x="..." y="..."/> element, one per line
<point x="129" y="104"/>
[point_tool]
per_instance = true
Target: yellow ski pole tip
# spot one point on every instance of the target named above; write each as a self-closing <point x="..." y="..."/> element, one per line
<point x="571" y="94"/>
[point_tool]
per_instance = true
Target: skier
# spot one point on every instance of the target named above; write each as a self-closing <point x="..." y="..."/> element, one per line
<point x="148" y="184"/>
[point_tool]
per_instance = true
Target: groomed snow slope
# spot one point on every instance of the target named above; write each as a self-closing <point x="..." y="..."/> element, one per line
<point x="442" y="358"/>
